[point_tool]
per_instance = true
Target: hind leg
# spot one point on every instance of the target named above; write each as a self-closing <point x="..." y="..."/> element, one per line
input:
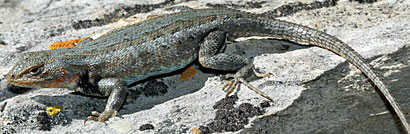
<point x="211" y="56"/>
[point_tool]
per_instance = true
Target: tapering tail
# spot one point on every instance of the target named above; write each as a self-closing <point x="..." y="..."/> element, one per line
<point x="305" y="35"/>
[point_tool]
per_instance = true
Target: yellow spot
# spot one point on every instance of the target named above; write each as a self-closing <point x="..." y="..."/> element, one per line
<point x="65" y="44"/>
<point x="188" y="73"/>
<point x="196" y="131"/>
<point x="318" y="26"/>
<point x="54" y="110"/>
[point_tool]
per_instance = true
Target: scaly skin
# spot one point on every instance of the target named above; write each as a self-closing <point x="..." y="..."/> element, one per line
<point x="104" y="66"/>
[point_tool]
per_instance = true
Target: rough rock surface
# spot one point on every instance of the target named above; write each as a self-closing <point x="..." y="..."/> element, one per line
<point x="314" y="91"/>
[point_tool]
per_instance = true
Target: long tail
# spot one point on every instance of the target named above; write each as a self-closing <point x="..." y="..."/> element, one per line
<point x="305" y="35"/>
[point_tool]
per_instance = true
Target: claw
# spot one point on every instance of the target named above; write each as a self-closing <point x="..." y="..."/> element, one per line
<point x="227" y="85"/>
<point x="96" y="116"/>
<point x="255" y="89"/>
<point x="263" y="75"/>
<point x="260" y="74"/>
<point x="233" y="84"/>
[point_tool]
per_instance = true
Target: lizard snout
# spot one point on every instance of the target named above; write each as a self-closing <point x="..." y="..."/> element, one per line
<point x="10" y="77"/>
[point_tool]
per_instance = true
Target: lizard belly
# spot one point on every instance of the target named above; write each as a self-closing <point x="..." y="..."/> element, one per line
<point x="160" y="65"/>
<point x="137" y="77"/>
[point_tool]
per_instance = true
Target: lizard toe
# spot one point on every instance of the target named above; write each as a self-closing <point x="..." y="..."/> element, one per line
<point x="102" y="117"/>
<point x="234" y="83"/>
<point x="231" y="86"/>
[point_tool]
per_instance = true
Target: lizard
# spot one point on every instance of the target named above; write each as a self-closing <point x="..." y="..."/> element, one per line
<point x="106" y="65"/>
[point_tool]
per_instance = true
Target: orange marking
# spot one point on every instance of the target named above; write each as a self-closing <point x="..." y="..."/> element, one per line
<point x="188" y="73"/>
<point x="196" y="131"/>
<point x="65" y="44"/>
<point x="57" y="82"/>
<point x="318" y="26"/>
<point x="73" y="79"/>
<point x="53" y="83"/>
<point x="152" y="16"/>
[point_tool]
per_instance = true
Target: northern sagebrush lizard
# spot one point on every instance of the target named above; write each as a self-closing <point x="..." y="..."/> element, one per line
<point x="106" y="65"/>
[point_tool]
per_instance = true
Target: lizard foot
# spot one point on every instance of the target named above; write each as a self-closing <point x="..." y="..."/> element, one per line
<point x="233" y="84"/>
<point x="261" y="75"/>
<point x="102" y="117"/>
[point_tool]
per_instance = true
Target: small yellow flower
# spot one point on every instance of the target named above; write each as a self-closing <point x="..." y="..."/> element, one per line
<point x="54" y="110"/>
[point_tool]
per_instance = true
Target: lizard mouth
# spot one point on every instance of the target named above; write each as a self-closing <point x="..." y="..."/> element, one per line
<point x="12" y="80"/>
<point x="9" y="78"/>
<point x="22" y="83"/>
<point x="44" y="82"/>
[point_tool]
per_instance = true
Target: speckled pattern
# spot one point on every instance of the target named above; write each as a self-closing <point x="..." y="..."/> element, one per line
<point x="230" y="118"/>
<point x="162" y="45"/>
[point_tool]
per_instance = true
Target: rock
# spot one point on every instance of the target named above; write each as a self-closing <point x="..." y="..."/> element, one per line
<point x="314" y="90"/>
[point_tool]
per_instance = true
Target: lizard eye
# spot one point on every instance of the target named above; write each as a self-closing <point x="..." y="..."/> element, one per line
<point x="36" y="70"/>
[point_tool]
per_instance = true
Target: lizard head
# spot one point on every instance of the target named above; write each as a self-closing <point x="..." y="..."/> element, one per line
<point x="40" y="70"/>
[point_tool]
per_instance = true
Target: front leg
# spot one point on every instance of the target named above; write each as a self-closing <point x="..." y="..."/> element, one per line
<point x="117" y="90"/>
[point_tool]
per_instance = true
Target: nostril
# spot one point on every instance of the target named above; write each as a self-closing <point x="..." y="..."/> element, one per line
<point x="9" y="77"/>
